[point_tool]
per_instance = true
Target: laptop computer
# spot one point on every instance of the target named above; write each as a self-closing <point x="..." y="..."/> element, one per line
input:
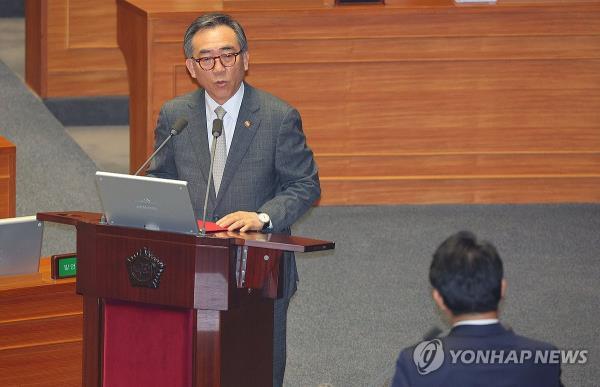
<point x="20" y="245"/>
<point x="146" y="202"/>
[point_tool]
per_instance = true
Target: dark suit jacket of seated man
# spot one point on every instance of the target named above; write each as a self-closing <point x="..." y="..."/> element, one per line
<point x="468" y="284"/>
<point x="269" y="178"/>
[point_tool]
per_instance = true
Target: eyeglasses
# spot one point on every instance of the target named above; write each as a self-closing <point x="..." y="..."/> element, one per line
<point x="208" y="63"/>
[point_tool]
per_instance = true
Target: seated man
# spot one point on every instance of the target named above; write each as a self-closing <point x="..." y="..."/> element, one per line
<point x="468" y="283"/>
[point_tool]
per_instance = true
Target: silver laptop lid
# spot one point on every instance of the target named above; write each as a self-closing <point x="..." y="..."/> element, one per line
<point x="20" y="245"/>
<point x="146" y="202"/>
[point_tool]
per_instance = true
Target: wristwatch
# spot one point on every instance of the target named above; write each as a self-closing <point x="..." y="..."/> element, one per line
<point x="265" y="219"/>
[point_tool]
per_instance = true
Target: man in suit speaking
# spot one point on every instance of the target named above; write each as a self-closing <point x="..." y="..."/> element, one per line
<point x="468" y="283"/>
<point x="265" y="176"/>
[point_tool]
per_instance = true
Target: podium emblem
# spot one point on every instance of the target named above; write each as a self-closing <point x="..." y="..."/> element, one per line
<point x="145" y="269"/>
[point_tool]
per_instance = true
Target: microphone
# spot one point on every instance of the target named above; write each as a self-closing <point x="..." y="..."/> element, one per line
<point x="217" y="129"/>
<point x="176" y="128"/>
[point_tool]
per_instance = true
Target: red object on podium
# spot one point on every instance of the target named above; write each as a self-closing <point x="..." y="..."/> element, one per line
<point x="211" y="227"/>
<point x="178" y="310"/>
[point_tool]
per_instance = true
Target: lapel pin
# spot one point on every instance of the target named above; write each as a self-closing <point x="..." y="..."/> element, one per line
<point x="247" y="123"/>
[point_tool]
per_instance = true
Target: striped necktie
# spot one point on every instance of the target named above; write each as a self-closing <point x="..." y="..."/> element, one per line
<point x="220" y="153"/>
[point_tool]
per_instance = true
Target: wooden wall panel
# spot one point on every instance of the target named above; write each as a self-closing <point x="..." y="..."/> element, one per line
<point x="42" y="366"/>
<point x="494" y="91"/>
<point x="41" y="323"/>
<point x="78" y="46"/>
<point x="432" y="114"/>
<point x="441" y="140"/>
<point x="442" y="18"/>
<point x="450" y="97"/>
<point x="395" y="49"/>
<point x="7" y="178"/>
<point x="92" y="26"/>
<point x="527" y="164"/>
<point x="453" y="189"/>
<point x="79" y="36"/>
<point x="96" y="83"/>
<point x="441" y="76"/>
<point x="29" y="333"/>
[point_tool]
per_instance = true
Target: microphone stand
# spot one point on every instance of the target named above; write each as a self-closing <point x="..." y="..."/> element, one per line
<point x="177" y="128"/>
<point x="154" y="154"/>
<point x="216" y="134"/>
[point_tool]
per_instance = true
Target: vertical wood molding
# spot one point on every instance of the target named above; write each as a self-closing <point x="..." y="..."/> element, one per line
<point x="132" y="35"/>
<point x="8" y="179"/>
<point x="36" y="43"/>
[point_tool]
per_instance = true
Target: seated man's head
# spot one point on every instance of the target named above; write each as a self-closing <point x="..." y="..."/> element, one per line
<point x="467" y="277"/>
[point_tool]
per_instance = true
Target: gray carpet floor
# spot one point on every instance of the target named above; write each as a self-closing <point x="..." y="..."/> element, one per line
<point x="358" y="305"/>
<point x="53" y="172"/>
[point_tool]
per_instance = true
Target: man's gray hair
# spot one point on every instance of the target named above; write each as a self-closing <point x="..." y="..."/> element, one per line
<point x="212" y="20"/>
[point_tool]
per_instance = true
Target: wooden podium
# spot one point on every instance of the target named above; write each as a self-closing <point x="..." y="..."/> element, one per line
<point x="178" y="310"/>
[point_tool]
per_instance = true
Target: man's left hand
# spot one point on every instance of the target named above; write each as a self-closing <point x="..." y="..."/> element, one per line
<point x="242" y="220"/>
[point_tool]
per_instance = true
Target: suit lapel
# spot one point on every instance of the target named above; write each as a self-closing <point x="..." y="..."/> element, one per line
<point x="247" y="123"/>
<point x="198" y="137"/>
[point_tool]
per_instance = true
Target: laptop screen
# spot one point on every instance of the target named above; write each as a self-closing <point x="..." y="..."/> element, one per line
<point x="20" y="245"/>
<point x="146" y="202"/>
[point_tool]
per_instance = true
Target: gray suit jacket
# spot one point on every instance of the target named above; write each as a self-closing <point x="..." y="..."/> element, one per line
<point x="269" y="167"/>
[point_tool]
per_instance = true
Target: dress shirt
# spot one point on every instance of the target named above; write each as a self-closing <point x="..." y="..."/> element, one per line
<point x="486" y="321"/>
<point x="232" y="107"/>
